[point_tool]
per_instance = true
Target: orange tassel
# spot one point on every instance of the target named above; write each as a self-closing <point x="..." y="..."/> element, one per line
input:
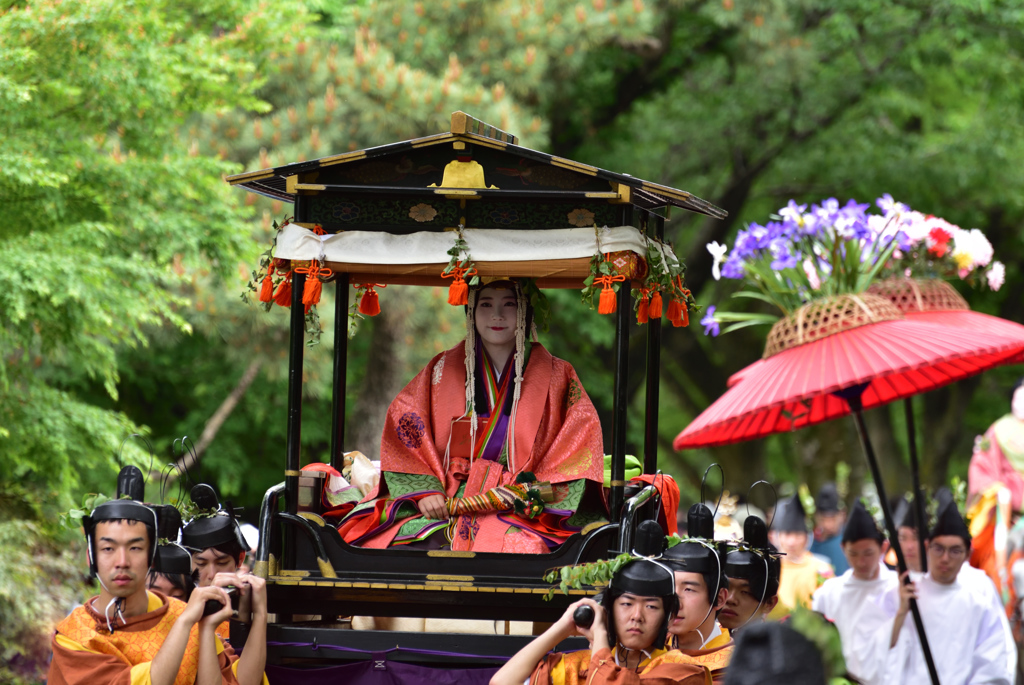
<point x="642" y="311"/>
<point x="283" y="296"/>
<point x="608" y="303"/>
<point x="654" y="310"/>
<point x="684" y="320"/>
<point x="311" y="291"/>
<point x="369" y="303"/>
<point x="458" y="292"/>
<point x="267" y="288"/>
<point x="673" y="310"/>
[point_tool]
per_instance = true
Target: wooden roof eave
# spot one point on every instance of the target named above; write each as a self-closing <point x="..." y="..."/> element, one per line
<point x="271" y="182"/>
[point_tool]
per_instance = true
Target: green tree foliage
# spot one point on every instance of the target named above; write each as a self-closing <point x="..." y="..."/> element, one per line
<point x="102" y="202"/>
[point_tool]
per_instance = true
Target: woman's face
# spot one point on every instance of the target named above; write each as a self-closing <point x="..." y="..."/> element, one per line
<point x="496" y="316"/>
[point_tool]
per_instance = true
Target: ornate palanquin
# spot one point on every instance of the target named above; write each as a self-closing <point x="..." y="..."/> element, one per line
<point x="390" y="214"/>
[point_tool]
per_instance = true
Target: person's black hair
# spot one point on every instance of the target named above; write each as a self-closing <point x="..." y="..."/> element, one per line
<point x="184" y="582"/>
<point x="232" y="548"/>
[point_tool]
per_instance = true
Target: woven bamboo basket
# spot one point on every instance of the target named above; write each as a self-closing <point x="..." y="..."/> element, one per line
<point x="919" y="294"/>
<point x="828" y="316"/>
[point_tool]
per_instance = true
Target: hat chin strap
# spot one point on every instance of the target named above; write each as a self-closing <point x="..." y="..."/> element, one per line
<point x="764" y="591"/>
<point x="615" y="654"/>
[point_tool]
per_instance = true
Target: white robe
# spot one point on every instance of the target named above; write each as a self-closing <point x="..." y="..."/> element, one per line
<point x="964" y="632"/>
<point x="853" y="606"/>
<point x="979" y="580"/>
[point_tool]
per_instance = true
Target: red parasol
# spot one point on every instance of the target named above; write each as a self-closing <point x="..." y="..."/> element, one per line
<point x="895" y="358"/>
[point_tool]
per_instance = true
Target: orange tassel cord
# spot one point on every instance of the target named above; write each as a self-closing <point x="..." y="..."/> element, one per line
<point x="369" y="301"/>
<point x="654" y="309"/>
<point x="643" y="309"/>
<point x="458" y="291"/>
<point x="315" y="276"/>
<point x="608" y="302"/>
<point x="682" y="317"/>
<point x="673" y="312"/>
<point x="267" y="287"/>
<point x="283" y="295"/>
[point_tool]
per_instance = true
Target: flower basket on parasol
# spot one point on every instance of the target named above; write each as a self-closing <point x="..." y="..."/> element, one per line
<point x="837" y="347"/>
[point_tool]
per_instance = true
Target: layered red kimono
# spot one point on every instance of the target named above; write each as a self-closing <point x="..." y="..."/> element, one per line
<point x="557" y="437"/>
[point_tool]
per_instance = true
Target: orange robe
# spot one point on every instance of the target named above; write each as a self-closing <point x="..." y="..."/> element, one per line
<point x="557" y="438"/>
<point x="85" y="652"/>
<point x="581" y="668"/>
<point x="715" y="655"/>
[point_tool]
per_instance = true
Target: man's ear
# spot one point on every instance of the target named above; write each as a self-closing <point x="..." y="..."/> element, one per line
<point x="769" y="604"/>
<point x="723" y="595"/>
<point x="885" y="547"/>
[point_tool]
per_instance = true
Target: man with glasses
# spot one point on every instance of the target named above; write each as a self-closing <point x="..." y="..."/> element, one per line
<point x="964" y="629"/>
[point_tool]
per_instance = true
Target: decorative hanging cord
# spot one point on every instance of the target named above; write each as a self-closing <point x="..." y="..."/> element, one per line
<point x="608" y="302"/>
<point x="267" y="287"/>
<point x="655" y="307"/>
<point x="283" y="294"/>
<point x="526" y="499"/>
<point x="316" y="274"/>
<point x="463" y="271"/>
<point x="643" y="310"/>
<point x="369" y="302"/>
<point x="458" y="291"/>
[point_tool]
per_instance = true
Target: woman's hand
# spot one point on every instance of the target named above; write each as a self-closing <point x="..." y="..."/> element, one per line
<point x="433" y="507"/>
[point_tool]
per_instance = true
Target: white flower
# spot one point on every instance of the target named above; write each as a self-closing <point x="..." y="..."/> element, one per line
<point x="915" y="226"/>
<point x="718" y="252"/>
<point x="971" y="249"/>
<point x="996" y="275"/>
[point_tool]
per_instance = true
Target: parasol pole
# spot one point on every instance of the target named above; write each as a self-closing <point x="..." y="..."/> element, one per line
<point x="852" y="396"/>
<point x="915" y="472"/>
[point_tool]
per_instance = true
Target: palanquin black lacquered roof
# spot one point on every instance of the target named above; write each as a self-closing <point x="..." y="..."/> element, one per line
<point x="426" y="167"/>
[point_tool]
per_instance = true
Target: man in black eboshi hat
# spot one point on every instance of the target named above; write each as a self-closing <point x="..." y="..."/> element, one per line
<point x="801" y="572"/>
<point x="967" y="637"/>
<point x="850" y="601"/>
<point x="905" y="516"/>
<point x="702" y="588"/>
<point x="172" y="572"/>
<point x="752" y="567"/>
<point x="627" y="634"/>
<point x="218" y="548"/>
<point x="829" y="519"/>
<point x="127" y="633"/>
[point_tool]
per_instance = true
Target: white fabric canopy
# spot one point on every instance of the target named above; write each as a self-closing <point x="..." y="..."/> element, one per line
<point x="500" y="245"/>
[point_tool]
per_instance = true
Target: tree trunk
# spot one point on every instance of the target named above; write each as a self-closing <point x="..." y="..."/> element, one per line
<point x="189" y="460"/>
<point x="381" y="382"/>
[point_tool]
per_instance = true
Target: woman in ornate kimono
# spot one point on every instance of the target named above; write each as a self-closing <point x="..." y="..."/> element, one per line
<point x="478" y="417"/>
<point x="999" y="455"/>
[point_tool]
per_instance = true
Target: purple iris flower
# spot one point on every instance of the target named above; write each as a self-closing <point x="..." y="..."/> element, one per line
<point x="784" y="259"/>
<point x="733" y="266"/>
<point x="709" y="323"/>
<point x="826" y="213"/>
